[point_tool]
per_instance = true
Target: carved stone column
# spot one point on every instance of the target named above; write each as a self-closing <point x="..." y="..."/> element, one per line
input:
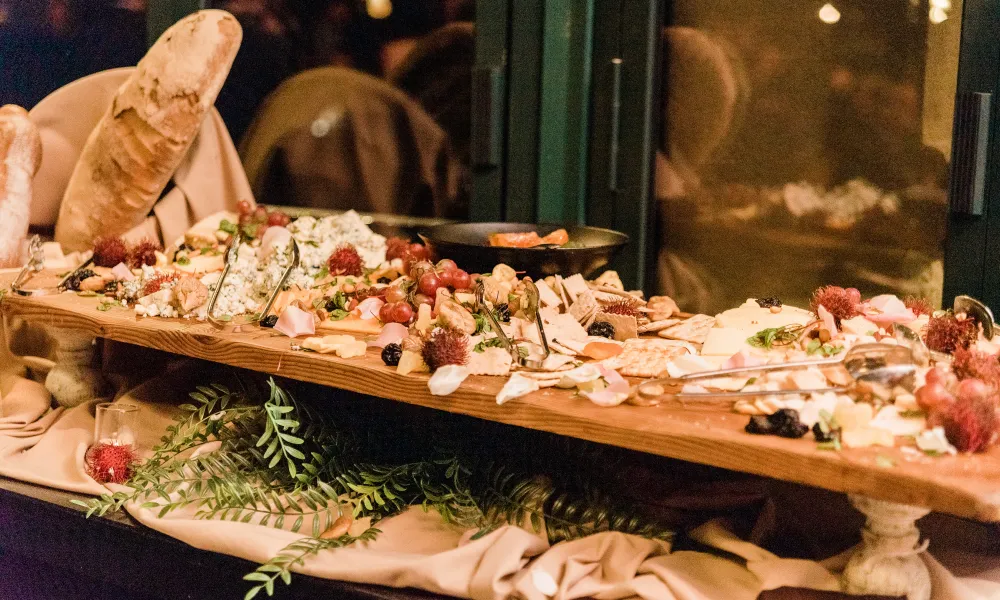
<point x="888" y="562"/>
<point x="73" y="379"/>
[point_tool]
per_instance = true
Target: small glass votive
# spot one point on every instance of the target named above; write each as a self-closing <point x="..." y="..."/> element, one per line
<point x="112" y="456"/>
<point x="115" y="423"/>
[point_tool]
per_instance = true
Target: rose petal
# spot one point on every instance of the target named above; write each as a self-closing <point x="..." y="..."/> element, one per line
<point x="368" y="308"/>
<point x="829" y="323"/>
<point x="274" y="236"/>
<point x="447" y="379"/>
<point x="294" y="322"/>
<point x="616" y="383"/>
<point x="742" y="359"/>
<point x="391" y="333"/>
<point x="887" y="309"/>
<point x="518" y="385"/>
<point x="122" y="273"/>
<point x="606" y="397"/>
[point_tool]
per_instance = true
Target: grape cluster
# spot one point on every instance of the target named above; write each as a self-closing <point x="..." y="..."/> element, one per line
<point x="254" y="221"/>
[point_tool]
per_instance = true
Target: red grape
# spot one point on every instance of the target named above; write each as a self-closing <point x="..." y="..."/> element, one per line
<point x="395" y="294"/>
<point x="460" y="280"/>
<point x="385" y="313"/>
<point x="422" y="299"/>
<point x="419" y="251"/>
<point x="445" y="278"/>
<point x="244" y="207"/>
<point x="401" y="312"/>
<point x="429" y="283"/>
<point x="446" y="264"/>
<point x="934" y="396"/>
<point x="936" y="375"/>
<point x="260" y="214"/>
<point x="277" y="219"/>
<point x="417" y="269"/>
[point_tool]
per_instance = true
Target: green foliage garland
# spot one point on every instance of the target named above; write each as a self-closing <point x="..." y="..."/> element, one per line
<point x="280" y="458"/>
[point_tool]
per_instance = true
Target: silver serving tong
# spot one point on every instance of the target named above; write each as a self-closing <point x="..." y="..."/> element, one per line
<point x="281" y="282"/>
<point x="36" y="262"/>
<point x="232" y="254"/>
<point x="976" y="310"/>
<point x="536" y="353"/>
<point x="883" y="364"/>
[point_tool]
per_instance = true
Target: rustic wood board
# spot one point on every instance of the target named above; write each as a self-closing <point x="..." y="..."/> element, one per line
<point x="967" y="486"/>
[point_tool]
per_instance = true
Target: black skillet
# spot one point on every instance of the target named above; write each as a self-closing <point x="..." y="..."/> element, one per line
<point x="589" y="248"/>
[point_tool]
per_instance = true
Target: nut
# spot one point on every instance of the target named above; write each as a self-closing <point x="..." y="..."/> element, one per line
<point x="348" y="288"/>
<point x="190" y="293"/>
<point x="775" y="309"/>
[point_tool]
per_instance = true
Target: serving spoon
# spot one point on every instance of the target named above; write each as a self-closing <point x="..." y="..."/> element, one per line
<point x="977" y="311"/>
<point x="882" y="364"/>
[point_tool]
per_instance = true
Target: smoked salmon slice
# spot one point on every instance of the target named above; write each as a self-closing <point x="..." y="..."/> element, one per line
<point x="528" y="239"/>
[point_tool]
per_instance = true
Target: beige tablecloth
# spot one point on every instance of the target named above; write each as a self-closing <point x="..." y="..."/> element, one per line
<point x="416" y="549"/>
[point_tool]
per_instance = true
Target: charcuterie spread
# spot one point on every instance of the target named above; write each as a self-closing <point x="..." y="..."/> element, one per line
<point x="843" y="372"/>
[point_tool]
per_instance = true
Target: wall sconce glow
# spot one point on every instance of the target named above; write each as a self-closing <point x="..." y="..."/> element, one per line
<point x="942" y="4"/>
<point x="937" y="15"/>
<point x="378" y="9"/>
<point x="829" y="14"/>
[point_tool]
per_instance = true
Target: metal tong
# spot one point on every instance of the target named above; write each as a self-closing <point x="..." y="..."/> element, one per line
<point x="876" y="363"/>
<point x="36" y="262"/>
<point x="537" y="353"/>
<point x="232" y="254"/>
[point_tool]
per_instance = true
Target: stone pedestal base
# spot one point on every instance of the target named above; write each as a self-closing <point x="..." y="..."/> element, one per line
<point x="73" y="379"/>
<point x="888" y="561"/>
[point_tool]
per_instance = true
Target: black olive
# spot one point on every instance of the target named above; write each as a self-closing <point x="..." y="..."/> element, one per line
<point x="602" y="329"/>
<point x="503" y="312"/>
<point x="269" y="321"/>
<point x="391" y="354"/>
<point x="768" y="302"/>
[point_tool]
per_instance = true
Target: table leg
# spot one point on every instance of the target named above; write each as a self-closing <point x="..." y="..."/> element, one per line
<point x="888" y="563"/>
<point x="73" y="379"/>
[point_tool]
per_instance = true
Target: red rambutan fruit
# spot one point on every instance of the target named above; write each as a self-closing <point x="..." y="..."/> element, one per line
<point x="111" y="463"/>
<point x="345" y="260"/>
<point x="621" y="307"/>
<point x="971" y="363"/>
<point x="841" y="303"/>
<point x="445" y="347"/>
<point x="109" y="251"/>
<point x="971" y="423"/>
<point x="919" y="306"/>
<point x="142" y="253"/>
<point x="948" y="333"/>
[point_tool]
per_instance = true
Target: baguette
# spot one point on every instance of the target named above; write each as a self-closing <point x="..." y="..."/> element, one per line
<point x="20" y="157"/>
<point x="142" y="138"/>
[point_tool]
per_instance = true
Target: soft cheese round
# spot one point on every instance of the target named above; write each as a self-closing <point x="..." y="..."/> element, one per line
<point x="751" y="318"/>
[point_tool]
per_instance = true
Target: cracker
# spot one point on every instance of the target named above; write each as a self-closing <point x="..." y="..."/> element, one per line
<point x="584" y="306"/>
<point x="561" y="290"/>
<point x="626" y="327"/>
<point x="654" y="326"/>
<point x="645" y="357"/>
<point x="693" y="330"/>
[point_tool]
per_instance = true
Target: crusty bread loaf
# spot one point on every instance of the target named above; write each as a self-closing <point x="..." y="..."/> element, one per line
<point x="20" y="156"/>
<point x="145" y="133"/>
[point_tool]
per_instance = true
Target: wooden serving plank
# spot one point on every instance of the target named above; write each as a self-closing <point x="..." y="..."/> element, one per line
<point x="967" y="486"/>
